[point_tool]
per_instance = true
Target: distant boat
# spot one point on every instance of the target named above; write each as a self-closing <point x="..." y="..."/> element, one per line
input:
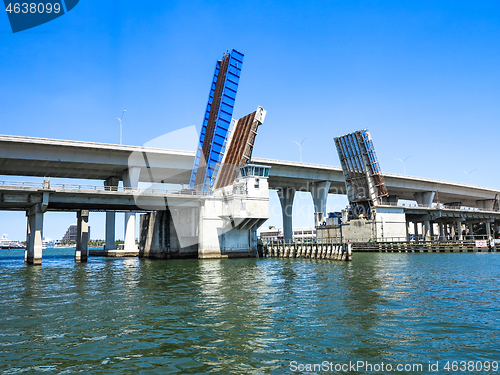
<point x="47" y="243"/>
<point x="7" y="244"/>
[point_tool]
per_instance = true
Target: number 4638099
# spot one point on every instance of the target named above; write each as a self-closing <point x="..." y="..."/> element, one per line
<point x="33" y="8"/>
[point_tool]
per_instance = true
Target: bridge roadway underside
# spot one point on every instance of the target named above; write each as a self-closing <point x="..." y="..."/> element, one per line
<point x="22" y="199"/>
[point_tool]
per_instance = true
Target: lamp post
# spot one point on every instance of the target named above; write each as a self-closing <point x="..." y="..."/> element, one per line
<point x="468" y="173"/>
<point x="404" y="165"/>
<point x="300" y="147"/>
<point x="120" y="119"/>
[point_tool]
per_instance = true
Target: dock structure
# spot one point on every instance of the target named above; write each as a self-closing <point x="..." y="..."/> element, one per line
<point x="422" y="247"/>
<point x="327" y="251"/>
<point x="336" y="251"/>
<point x="375" y="213"/>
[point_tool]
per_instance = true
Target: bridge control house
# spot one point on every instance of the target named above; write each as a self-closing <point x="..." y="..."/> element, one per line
<point x="232" y="196"/>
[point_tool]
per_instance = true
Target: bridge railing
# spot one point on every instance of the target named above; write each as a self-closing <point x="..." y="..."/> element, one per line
<point x="300" y="241"/>
<point x="420" y="239"/>
<point x="80" y="187"/>
<point x="433" y="206"/>
<point x="47" y="185"/>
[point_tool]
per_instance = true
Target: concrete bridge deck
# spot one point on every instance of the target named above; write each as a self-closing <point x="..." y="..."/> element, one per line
<point x="21" y="196"/>
<point x="300" y="176"/>
<point x="43" y="157"/>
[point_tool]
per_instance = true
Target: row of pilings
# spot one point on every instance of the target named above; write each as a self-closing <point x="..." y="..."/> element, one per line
<point x="331" y="251"/>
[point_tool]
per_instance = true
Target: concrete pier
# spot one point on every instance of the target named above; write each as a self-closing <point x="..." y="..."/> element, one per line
<point x="442" y="236"/>
<point x="426" y="229"/>
<point x="458" y="224"/>
<point x="286" y="196"/>
<point x="34" y="231"/>
<point x="424" y="197"/>
<point x="110" y="184"/>
<point x="82" y="236"/>
<point x="110" y="231"/>
<point x="129" y="243"/>
<point x="488" y="229"/>
<point x="221" y="225"/>
<point x="34" y="241"/>
<point x="130" y="180"/>
<point x="319" y="193"/>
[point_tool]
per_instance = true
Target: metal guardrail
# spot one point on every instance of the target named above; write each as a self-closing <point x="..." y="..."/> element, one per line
<point x="436" y="206"/>
<point x="102" y="188"/>
<point x="304" y="241"/>
<point x="435" y="239"/>
<point x="47" y="185"/>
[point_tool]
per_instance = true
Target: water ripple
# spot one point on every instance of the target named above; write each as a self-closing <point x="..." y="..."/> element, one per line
<point x="245" y="316"/>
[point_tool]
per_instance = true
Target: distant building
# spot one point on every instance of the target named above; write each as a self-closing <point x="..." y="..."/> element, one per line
<point x="275" y="234"/>
<point x="70" y="235"/>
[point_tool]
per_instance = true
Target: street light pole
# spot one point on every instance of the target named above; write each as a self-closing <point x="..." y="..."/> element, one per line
<point x="404" y="163"/>
<point x="120" y="119"/>
<point x="468" y="173"/>
<point x="300" y="147"/>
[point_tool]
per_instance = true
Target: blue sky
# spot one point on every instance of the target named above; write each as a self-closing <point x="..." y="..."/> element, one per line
<point x="424" y="77"/>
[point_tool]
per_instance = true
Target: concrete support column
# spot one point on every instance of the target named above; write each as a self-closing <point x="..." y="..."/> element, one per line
<point x="34" y="242"/>
<point x="415" y="230"/>
<point x="486" y="204"/>
<point x="28" y="234"/>
<point x="441" y="231"/>
<point x="407" y="231"/>
<point x="453" y="231"/>
<point x="471" y="230"/>
<point x="446" y="230"/>
<point x="110" y="231"/>
<point x="319" y="193"/>
<point x="426" y="230"/>
<point x="82" y="236"/>
<point x="286" y="196"/>
<point x="110" y="184"/>
<point x="431" y="232"/>
<point x="459" y="229"/>
<point x="130" y="180"/>
<point x="488" y="229"/>
<point x="424" y="197"/>
<point x="129" y="242"/>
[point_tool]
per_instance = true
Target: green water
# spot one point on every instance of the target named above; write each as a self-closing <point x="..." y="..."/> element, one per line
<point x="247" y="316"/>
